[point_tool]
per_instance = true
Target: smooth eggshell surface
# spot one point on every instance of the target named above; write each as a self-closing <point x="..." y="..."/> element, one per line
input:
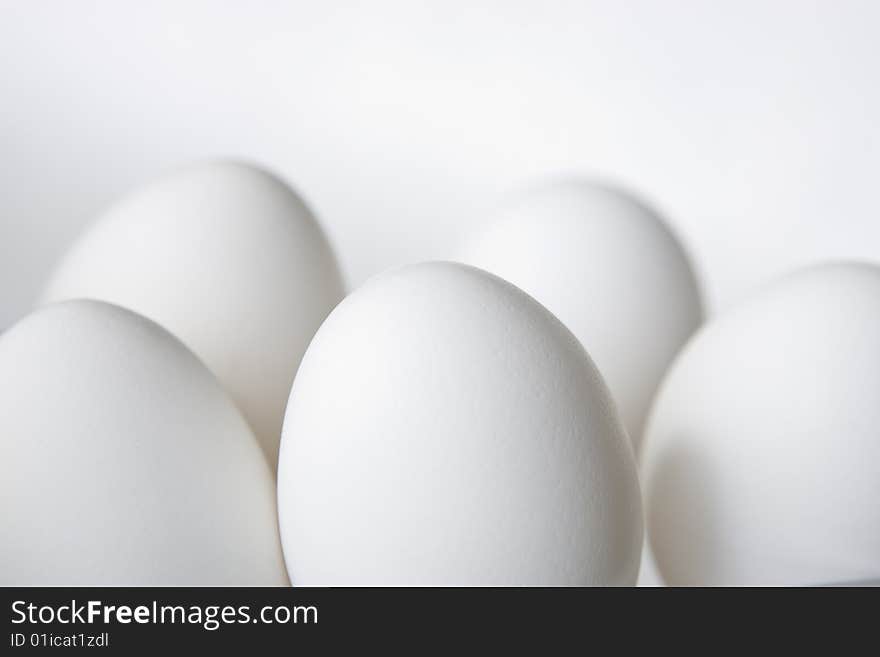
<point x="608" y="267"/>
<point x="444" y="428"/>
<point x="228" y="259"/>
<point x="761" y="459"/>
<point x="123" y="462"/>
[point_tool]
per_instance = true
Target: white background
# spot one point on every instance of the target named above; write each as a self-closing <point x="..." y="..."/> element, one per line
<point x="753" y="125"/>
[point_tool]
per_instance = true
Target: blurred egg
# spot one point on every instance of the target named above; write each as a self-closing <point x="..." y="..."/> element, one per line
<point x="445" y="429"/>
<point x="609" y="268"/>
<point x="123" y="462"/>
<point x="228" y="259"/>
<point x="761" y="459"/>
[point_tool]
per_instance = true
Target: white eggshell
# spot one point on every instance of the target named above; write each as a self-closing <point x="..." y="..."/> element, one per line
<point x="122" y="460"/>
<point x="444" y="428"/>
<point x="761" y="459"/>
<point x="227" y="258"/>
<point x="609" y="268"/>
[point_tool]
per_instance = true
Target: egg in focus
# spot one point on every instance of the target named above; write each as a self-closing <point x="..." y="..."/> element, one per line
<point x="445" y="429"/>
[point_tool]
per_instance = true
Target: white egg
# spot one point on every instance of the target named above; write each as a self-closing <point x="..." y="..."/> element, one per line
<point x="444" y="429"/>
<point x="123" y="462"/>
<point x="761" y="459"/>
<point x="227" y="258"/>
<point x="609" y="268"/>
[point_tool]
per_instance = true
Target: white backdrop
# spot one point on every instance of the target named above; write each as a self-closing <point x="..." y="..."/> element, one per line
<point x="753" y="125"/>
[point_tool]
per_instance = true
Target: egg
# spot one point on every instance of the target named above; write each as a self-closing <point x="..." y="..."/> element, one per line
<point x="123" y="461"/>
<point x="445" y="429"/>
<point x="227" y="258"/>
<point x="761" y="460"/>
<point x="608" y="267"/>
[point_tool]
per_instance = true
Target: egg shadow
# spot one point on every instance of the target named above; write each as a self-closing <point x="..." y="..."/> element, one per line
<point x="681" y="513"/>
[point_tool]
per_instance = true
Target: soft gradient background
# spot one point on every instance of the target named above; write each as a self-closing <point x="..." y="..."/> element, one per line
<point x="753" y="125"/>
